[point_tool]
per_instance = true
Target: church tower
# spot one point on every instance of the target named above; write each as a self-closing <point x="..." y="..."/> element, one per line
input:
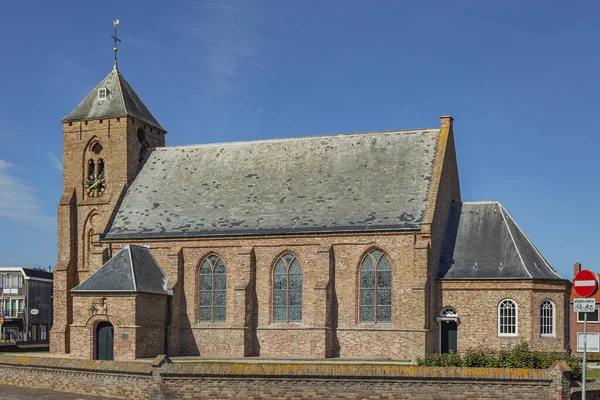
<point x="104" y="138"/>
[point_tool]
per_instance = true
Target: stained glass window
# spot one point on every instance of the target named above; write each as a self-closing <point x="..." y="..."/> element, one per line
<point x="213" y="290"/>
<point x="287" y="289"/>
<point x="547" y="318"/>
<point x="507" y="318"/>
<point x="375" y="288"/>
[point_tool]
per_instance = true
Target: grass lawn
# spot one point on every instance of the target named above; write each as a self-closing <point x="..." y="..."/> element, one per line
<point x="592" y="373"/>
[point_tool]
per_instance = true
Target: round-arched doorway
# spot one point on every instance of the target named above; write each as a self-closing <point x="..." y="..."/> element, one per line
<point x="448" y="321"/>
<point x="104" y="341"/>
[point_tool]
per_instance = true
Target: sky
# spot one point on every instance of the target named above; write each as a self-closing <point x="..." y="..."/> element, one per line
<point x="521" y="80"/>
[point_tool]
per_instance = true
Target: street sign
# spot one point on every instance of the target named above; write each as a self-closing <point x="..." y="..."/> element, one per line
<point x="584" y="305"/>
<point x="585" y="283"/>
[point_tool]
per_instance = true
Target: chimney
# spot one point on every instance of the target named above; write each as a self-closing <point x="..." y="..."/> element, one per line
<point x="446" y="121"/>
<point x="576" y="268"/>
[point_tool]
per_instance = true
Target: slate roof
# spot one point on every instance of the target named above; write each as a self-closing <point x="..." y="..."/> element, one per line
<point x="339" y="183"/>
<point x="29" y="272"/>
<point x="133" y="269"/>
<point x="121" y="101"/>
<point x="36" y="273"/>
<point x="482" y="241"/>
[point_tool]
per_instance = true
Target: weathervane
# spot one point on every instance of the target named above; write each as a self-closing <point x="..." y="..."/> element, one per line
<point x="116" y="39"/>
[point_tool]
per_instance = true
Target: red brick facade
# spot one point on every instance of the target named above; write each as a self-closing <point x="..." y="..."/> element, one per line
<point x="146" y="326"/>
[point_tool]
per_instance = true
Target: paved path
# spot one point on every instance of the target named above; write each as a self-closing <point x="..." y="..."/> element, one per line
<point x="19" y="393"/>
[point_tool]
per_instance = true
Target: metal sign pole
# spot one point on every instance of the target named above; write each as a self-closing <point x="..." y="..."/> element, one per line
<point x="583" y="380"/>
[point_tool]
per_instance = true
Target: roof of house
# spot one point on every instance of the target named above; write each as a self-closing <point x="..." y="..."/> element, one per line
<point x="29" y="272"/>
<point x="375" y="181"/>
<point x="37" y="273"/>
<point x="132" y="269"/>
<point x="482" y="241"/>
<point x="121" y="101"/>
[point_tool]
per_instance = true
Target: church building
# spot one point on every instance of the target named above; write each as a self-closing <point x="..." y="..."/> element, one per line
<point x="348" y="245"/>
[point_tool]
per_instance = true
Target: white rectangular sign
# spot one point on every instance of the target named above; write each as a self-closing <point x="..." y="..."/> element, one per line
<point x="584" y="305"/>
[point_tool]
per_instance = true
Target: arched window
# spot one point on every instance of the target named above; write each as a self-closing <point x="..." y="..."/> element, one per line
<point x="287" y="289"/>
<point x="213" y="290"/>
<point x="547" y="318"/>
<point x="507" y="318"/>
<point x="448" y="312"/>
<point x="94" y="179"/>
<point x="375" y="288"/>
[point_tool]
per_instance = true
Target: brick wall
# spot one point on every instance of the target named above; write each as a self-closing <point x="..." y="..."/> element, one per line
<point x="131" y="380"/>
<point x="476" y="303"/>
<point x="138" y="320"/>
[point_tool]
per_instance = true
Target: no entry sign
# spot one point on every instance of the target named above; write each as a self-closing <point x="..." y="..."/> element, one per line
<point x="585" y="283"/>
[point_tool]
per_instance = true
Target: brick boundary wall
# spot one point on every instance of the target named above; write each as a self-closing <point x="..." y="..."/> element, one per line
<point x="162" y="379"/>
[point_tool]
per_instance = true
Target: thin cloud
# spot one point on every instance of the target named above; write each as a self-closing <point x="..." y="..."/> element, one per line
<point x="18" y="200"/>
<point x="56" y="162"/>
<point x="227" y="30"/>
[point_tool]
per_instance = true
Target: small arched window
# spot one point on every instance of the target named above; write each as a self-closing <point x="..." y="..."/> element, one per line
<point x="508" y="318"/>
<point x="287" y="289"/>
<point x="448" y="312"/>
<point x="213" y="290"/>
<point x="375" y="288"/>
<point x="547" y="318"/>
<point x="94" y="179"/>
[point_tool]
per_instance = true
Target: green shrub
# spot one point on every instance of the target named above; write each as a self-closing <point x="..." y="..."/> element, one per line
<point x="451" y="359"/>
<point x="478" y="357"/>
<point x="430" y="360"/>
<point x="520" y="356"/>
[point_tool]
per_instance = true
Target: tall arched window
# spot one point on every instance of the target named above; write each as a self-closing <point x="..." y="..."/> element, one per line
<point x="213" y="290"/>
<point x="375" y="288"/>
<point x="547" y="318"/>
<point x="508" y="318"/>
<point x="287" y="289"/>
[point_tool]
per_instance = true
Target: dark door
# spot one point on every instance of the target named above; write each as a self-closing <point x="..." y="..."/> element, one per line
<point x="104" y="335"/>
<point x="449" y="336"/>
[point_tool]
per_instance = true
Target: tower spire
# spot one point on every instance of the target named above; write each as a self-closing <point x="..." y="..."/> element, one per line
<point x="116" y="39"/>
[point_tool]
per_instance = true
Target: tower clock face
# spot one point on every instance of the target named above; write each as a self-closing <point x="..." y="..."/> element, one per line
<point x="95" y="186"/>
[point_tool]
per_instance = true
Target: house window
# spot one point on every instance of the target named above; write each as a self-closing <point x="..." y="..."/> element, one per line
<point x="507" y="318"/>
<point x="102" y="92"/>
<point x="33" y="333"/>
<point x="375" y="288"/>
<point x="287" y="289"/>
<point x="591" y="316"/>
<point x="213" y="290"/>
<point x="12" y="281"/>
<point x="592" y="342"/>
<point x="547" y="318"/>
<point x="13" y="308"/>
<point x="43" y="332"/>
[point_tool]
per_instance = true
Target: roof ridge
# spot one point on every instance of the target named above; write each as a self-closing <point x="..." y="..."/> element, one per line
<point x="95" y="89"/>
<point x="480" y="202"/>
<point x="533" y="246"/>
<point x="294" y="138"/>
<point x="119" y="77"/>
<point x="502" y="212"/>
<point x="128" y="247"/>
<point x="98" y="270"/>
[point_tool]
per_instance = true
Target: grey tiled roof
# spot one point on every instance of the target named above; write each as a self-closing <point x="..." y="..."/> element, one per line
<point x="133" y="269"/>
<point x="121" y="101"/>
<point x="354" y="182"/>
<point x="482" y="241"/>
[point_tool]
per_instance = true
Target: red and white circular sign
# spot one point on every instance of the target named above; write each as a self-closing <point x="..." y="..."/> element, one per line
<point x="585" y="283"/>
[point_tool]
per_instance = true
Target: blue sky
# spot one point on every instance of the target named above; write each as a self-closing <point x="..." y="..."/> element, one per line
<point x="520" y="78"/>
